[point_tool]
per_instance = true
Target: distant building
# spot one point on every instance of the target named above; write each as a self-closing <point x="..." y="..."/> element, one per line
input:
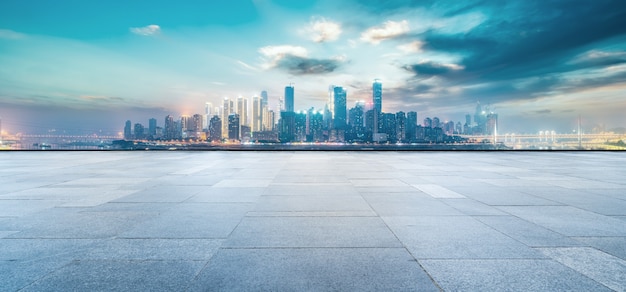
<point x="227" y="109"/>
<point x="242" y="110"/>
<point x="139" y="132"/>
<point x="400" y="127"/>
<point x="339" y="107"/>
<point x="233" y="127"/>
<point x="128" y="135"/>
<point x="411" y="125"/>
<point x="215" y="129"/>
<point x="289" y="98"/>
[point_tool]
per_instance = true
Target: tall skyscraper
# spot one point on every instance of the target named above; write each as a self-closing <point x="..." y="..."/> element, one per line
<point x="377" y="100"/>
<point x="215" y="128"/>
<point x="264" y="98"/>
<point x="257" y="112"/>
<point x="289" y="98"/>
<point x="152" y="126"/>
<point x="242" y="110"/>
<point x="128" y="135"/>
<point x="339" y="107"/>
<point x="233" y="127"/>
<point x="401" y="122"/>
<point x="411" y="125"/>
<point x="377" y="89"/>
<point x="227" y="109"/>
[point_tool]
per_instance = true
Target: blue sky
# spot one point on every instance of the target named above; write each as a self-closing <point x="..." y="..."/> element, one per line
<point x="90" y="65"/>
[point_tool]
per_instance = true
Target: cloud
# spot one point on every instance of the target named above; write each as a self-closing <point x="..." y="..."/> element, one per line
<point x="323" y="30"/>
<point x="10" y="34"/>
<point x="428" y="68"/>
<point x="304" y="66"/>
<point x="295" y="60"/>
<point x="389" y="29"/>
<point x="412" y="47"/>
<point x="149" y="30"/>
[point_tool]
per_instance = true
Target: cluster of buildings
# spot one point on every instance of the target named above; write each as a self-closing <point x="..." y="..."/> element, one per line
<point x="365" y="122"/>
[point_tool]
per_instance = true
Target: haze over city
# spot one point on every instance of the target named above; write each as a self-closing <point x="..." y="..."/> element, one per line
<point x="87" y="67"/>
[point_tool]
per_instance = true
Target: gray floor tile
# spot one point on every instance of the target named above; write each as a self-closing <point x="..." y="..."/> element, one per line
<point x="311" y="269"/>
<point x="311" y="203"/>
<point x="312" y="232"/>
<point x="408" y="204"/>
<point x="153" y="249"/>
<point x="597" y="265"/>
<point x="472" y="207"/>
<point x="455" y="237"/>
<point x="526" y="232"/>
<point x="507" y="275"/>
<point x="162" y="194"/>
<point x="120" y="275"/>
<point x="192" y="220"/>
<point x="615" y="246"/>
<point x="569" y="221"/>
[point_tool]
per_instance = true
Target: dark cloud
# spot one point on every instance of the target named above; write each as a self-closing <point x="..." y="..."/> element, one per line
<point x="307" y="66"/>
<point x="428" y="69"/>
<point x="523" y="51"/>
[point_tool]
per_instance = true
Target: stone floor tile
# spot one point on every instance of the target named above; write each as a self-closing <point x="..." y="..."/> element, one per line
<point x="313" y="269"/>
<point x="507" y="275"/>
<point x="597" y="265"/>
<point x="263" y="232"/>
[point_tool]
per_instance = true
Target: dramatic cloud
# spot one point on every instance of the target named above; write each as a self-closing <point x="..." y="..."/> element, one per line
<point x="388" y="30"/>
<point x="149" y="30"/>
<point x="428" y="68"/>
<point x="304" y="66"/>
<point x="295" y="60"/>
<point x="323" y="30"/>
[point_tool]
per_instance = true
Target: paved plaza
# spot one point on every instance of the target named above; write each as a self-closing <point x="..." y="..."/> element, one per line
<point x="312" y="221"/>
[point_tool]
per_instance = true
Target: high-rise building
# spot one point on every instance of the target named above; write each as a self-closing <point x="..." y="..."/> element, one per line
<point x="215" y="128"/>
<point x="377" y="100"/>
<point x="287" y="126"/>
<point x="401" y="122"/>
<point x="242" y="110"/>
<point x="289" y="98"/>
<point x="264" y="98"/>
<point x="233" y="127"/>
<point x="227" y="109"/>
<point x="377" y="89"/>
<point x="428" y="123"/>
<point x="257" y="114"/>
<point x="139" y="131"/>
<point x="339" y="107"/>
<point x="128" y="135"/>
<point x="411" y="124"/>
<point x="269" y="119"/>
<point x="152" y="128"/>
<point x="171" y="128"/>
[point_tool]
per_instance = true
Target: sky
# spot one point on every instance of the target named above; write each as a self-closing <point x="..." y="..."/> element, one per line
<point x="88" y="66"/>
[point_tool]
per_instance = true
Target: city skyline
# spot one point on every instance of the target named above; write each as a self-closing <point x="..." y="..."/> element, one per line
<point x="90" y="66"/>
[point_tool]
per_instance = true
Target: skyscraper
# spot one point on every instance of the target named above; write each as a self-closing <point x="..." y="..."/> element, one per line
<point x="411" y="125"/>
<point x="152" y="126"/>
<point x="339" y="107"/>
<point x="257" y="112"/>
<point x="128" y="135"/>
<point x="289" y="98"/>
<point x="377" y="89"/>
<point x="264" y="98"/>
<point x="227" y="109"/>
<point x="377" y="99"/>
<point x="233" y="126"/>
<point x="242" y="110"/>
<point x="215" y="128"/>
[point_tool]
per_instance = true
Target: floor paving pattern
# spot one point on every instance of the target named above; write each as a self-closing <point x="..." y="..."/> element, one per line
<point x="312" y="221"/>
